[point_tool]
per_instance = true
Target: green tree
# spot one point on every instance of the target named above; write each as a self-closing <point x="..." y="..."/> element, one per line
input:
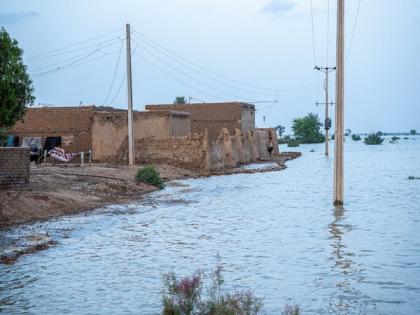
<point x="308" y="129"/>
<point x="15" y="84"/>
<point x="413" y="132"/>
<point x="180" y="100"/>
<point x="374" y="138"/>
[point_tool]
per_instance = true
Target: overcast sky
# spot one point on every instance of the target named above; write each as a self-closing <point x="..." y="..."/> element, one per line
<point x="260" y="50"/>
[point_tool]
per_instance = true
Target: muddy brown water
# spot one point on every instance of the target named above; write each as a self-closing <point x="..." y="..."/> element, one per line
<point x="275" y="233"/>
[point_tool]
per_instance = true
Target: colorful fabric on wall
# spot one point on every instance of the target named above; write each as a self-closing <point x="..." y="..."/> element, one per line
<point x="10" y="141"/>
<point x="61" y="155"/>
<point x="33" y="142"/>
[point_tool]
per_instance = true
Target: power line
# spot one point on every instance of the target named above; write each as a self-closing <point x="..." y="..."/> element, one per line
<point x="328" y="31"/>
<point x="72" y="58"/>
<point x="73" y="45"/>
<point x="76" y="63"/>
<point x="313" y="34"/>
<point x="188" y="75"/>
<point x="112" y="41"/>
<point x="145" y="38"/>
<point x="177" y="79"/>
<point x="115" y="73"/>
<point x="202" y="73"/>
<point x="354" y="30"/>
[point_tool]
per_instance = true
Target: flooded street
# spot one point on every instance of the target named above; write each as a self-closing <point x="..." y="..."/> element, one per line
<point x="275" y="233"/>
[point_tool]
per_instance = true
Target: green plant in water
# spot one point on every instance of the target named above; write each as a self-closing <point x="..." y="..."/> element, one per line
<point x="293" y="143"/>
<point x="291" y="310"/>
<point x="374" y="139"/>
<point x="355" y="137"/>
<point x="149" y="175"/>
<point x="185" y="297"/>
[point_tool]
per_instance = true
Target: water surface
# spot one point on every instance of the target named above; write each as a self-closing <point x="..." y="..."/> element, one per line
<point x="276" y="233"/>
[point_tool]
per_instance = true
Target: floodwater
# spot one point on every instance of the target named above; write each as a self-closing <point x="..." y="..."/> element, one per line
<point x="275" y="233"/>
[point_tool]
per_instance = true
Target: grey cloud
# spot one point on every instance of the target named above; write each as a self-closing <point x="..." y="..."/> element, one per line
<point x="11" y="18"/>
<point x="278" y="6"/>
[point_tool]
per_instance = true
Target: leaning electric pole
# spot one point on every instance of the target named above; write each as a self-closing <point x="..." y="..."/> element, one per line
<point x="339" y="111"/>
<point x="130" y="99"/>
<point x="327" y="123"/>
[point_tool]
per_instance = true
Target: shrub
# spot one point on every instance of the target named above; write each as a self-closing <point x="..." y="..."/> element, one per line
<point x="291" y="310"/>
<point x="293" y="143"/>
<point x="149" y="175"/>
<point x="374" y="139"/>
<point x="355" y="137"/>
<point x="185" y="297"/>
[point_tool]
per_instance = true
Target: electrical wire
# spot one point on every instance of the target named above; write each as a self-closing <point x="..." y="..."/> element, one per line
<point x="354" y="30"/>
<point x="313" y="34"/>
<point x="189" y="76"/>
<point x="328" y="31"/>
<point x="178" y="79"/>
<point x="72" y="45"/>
<point x="145" y="38"/>
<point x="72" y="58"/>
<point x="76" y="63"/>
<point x="115" y="73"/>
<point x="204" y="74"/>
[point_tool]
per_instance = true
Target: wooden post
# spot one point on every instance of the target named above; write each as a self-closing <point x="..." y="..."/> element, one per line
<point x="339" y="111"/>
<point x="130" y="99"/>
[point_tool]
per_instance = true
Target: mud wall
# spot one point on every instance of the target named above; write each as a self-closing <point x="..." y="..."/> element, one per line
<point x="215" y="116"/>
<point x="109" y="130"/>
<point x="73" y="124"/>
<point x="188" y="152"/>
<point x="14" y="167"/>
<point x="241" y="148"/>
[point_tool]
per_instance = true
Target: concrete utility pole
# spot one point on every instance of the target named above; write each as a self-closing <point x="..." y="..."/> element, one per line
<point x="327" y="124"/>
<point x="130" y="99"/>
<point x="339" y="111"/>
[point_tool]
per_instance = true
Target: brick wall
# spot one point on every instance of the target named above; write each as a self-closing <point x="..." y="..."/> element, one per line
<point x="73" y="124"/>
<point x="14" y="167"/>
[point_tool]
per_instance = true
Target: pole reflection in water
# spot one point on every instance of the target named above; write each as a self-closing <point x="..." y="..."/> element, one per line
<point x="348" y="298"/>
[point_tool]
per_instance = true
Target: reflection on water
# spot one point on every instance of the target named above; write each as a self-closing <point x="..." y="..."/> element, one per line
<point x="273" y="232"/>
<point x="348" y="298"/>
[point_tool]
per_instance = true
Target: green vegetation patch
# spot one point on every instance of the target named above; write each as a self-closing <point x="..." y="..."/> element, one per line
<point x="149" y="175"/>
<point x="374" y="139"/>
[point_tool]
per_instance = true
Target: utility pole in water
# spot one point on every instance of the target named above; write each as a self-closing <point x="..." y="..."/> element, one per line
<point x="339" y="111"/>
<point x="327" y="124"/>
<point x="130" y="99"/>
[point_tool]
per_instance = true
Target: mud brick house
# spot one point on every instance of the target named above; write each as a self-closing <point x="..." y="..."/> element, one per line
<point x="100" y="129"/>
<point x="215" y="116"/>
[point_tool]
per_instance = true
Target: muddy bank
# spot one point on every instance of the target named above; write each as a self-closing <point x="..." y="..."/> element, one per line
<point x="60" y="190"/>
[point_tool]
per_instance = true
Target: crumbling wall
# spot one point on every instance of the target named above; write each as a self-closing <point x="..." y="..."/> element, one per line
<point x="14" y="167"/>
<point x="229" y="151"/>
<point x="188" y="152"/>
<point x="196" y="152"/>
<point x="262" y="139"/>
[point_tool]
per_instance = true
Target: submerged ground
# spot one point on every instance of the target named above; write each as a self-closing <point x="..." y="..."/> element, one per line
<point x="276" y="233"/>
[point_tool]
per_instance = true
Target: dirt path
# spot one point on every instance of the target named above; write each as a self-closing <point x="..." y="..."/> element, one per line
<point x="60" y="190"/>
